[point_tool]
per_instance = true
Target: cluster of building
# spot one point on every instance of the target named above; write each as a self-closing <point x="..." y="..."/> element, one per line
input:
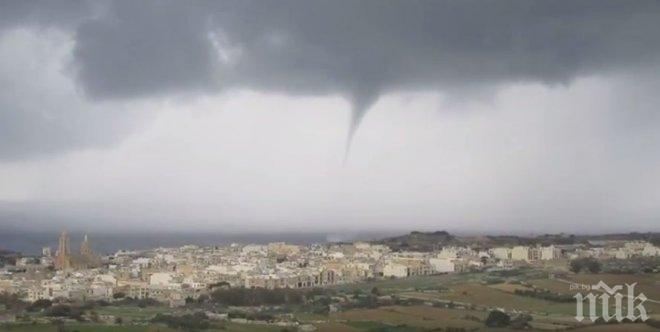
<point x="618" y="250"/>
<point x="174" y="274"/>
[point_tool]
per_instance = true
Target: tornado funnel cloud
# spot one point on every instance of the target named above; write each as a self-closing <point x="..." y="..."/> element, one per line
<point x="360" y="105"/>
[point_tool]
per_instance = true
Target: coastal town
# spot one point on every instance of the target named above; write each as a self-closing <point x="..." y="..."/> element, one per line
<point x="177" y="275"/>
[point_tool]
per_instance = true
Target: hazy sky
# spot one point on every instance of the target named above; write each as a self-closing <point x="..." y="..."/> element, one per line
<point x="473" y="116"/>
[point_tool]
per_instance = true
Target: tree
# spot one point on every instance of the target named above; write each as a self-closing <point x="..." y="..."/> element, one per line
<point x="257" y="296"/>
<point x="40" y="304"/>
<point x="581" y="264"/>
<point x="575" y="266"/>
<point x="203" y="298"/>
<point x="593" y="265"/>
<point x="497" y="318"/>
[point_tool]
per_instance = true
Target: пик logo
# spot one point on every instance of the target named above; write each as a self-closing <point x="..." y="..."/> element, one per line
<point x="605" y="299"/>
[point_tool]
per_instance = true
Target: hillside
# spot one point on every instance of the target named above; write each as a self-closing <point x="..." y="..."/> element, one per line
<point x="420" y="241"/>
<point x="428" y="241"/>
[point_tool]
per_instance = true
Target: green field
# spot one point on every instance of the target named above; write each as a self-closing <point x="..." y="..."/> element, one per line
<point x="412" y="283"/>
<point x="132" y="313"/>
<point x="461" y="300"/>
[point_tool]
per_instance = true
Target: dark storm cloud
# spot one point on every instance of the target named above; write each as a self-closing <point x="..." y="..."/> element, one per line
<point x="139" y="48"/>
<point x="358" y="49"/>
<point x="43" y="12"/>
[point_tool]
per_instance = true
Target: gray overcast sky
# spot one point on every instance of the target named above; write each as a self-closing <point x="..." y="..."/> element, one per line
<point x="473" y="116"/>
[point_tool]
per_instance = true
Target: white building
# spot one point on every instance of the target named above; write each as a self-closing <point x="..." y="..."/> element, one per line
<point x="650" y="250"/>
<point x="161" y="279"/>
<point x="550" y="253"/>
<point x="520" y="253"/>
<point x="442" y="265"/>
<point x="395" y="270"/>
<point x="448" y="252"/>
<point x="106" y="278"/>
<point x="502" y="253"/>
<point x="407" y="267"/>
<point x="254" y="249"/>
<point x="622" y="253"/>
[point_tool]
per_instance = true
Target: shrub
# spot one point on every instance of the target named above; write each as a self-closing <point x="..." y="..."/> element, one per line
<point x="257" y="296"/>
<point x="497" y="318"/>
<point x="545" y="295"/>
<point x="196" y="321"/>
<point x="585" y="264"/>
<point x="62" y="310"/>
<point x="39" y="305"/>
